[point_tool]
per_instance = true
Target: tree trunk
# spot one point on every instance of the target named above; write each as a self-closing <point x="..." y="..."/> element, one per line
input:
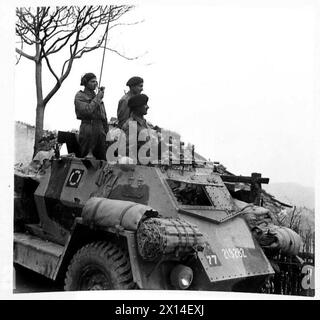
<point x="40" y="107"/>
<point x="39" y="126"/>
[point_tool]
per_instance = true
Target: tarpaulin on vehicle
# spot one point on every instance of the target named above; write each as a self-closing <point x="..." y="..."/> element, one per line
<point x="276" y="237"/>
<point x="111" y="213"/>
<point x="268" y="234"/>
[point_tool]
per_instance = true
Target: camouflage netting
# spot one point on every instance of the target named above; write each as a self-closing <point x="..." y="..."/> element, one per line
<point x="157" y="237"/>
<point x="161" y="135"/>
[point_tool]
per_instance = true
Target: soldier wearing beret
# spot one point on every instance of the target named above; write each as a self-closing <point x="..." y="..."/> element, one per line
<point x="138" y="109"/>
<point x="90" y="110"/>
<point x="135" y="85"/>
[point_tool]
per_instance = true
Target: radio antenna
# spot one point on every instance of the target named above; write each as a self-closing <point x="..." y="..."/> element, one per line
<point x="105" y="45"/>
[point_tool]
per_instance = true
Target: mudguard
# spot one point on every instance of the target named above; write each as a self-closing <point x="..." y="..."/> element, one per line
<point x="230" y="252"/>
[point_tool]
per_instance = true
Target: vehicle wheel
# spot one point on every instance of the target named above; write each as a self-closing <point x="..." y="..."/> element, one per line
<point x="99" y="266"/>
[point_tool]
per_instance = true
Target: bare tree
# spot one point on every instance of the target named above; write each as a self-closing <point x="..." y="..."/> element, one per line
<point x="308" y="240"/>
<point x="70" y="31"/>
<point x="292" y="220"/>
<point x="295" y="220"/>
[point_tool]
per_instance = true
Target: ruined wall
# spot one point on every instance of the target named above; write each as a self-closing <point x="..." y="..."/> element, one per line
<point x="23" y="142"/>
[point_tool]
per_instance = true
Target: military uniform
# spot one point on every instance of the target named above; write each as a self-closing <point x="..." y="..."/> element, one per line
<point x="141" y="125"/>
<point x="94" y="124"/>
<point x="123" y="112"/>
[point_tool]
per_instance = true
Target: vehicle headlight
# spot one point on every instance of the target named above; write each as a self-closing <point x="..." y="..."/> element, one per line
<point x="181" y="277"/>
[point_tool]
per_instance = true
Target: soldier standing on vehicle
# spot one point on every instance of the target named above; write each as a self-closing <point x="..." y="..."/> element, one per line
<point x="138" y="109"/>
<point x="90" y="110"/>
<point x="135" y="85"/>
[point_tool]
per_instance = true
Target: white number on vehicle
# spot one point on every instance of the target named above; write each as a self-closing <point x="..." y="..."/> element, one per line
<point x="234" y="253"/>
<point x="212" y="259"/>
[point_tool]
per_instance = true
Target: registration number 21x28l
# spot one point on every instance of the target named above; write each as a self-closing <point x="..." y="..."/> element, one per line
<point x="228" y="253"/>
<point x="234" y="253"/>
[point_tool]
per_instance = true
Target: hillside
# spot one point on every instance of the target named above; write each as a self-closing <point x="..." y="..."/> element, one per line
<point x="297" y="195"/>
<point x="292" y="193"/>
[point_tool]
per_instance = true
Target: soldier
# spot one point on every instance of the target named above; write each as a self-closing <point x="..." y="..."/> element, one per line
<point x="135" y="85"/>
<point x="90" y="110"/>
<point x="138" y="108"/>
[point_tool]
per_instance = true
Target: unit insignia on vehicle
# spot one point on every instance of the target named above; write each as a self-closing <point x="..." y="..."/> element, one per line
<point x="74" y="178"/>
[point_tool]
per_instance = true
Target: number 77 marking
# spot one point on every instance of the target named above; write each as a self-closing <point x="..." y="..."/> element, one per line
<point x="212" y="257"/>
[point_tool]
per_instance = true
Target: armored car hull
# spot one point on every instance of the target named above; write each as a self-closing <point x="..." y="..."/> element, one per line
<point x="94" y="225"/>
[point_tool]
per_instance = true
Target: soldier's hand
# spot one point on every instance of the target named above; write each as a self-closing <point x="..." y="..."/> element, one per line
<point x="100" y="93"/>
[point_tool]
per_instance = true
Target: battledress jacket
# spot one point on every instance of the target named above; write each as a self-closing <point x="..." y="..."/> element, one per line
<point x="133" y="144"/>
<point x="123" y="112"/>
<point x="94" y="123"/>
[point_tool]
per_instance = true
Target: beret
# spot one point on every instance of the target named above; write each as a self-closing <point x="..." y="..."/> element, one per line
<point x="134" y="81"/>
<point x="87" y="77"/>
<point x="138" y="100"/>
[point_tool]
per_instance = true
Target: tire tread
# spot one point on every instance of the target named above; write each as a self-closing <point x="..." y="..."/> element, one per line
<point x="117" y="263"/>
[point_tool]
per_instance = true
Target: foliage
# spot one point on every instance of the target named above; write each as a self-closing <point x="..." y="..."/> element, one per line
<point x="300" y="220"/>
<point x="71" y="31"/>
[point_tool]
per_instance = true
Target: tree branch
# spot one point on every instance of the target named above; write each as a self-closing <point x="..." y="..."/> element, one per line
<point x="50" y="68"/>
<point x="21" y="49"/>
<point x="25" y="55"/>
<point x="52" y="93"/>
<point x="51" y="29"/>
<point x="122" y="55"/>
<point x="126" y="24"/>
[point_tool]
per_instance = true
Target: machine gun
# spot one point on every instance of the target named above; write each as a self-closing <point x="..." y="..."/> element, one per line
<point x="255" y="181"/>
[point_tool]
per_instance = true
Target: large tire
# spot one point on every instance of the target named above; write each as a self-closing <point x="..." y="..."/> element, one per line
<point x="99" y="266"/>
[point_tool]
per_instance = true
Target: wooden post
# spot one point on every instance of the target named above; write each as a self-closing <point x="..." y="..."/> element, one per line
<point x="193" y="160"/>
<point x="256" y="188"/>
<point x="170" y="150"/>
<point x="182" y="153"/>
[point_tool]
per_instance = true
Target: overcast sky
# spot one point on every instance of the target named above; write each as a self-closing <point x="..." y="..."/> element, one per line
<point x="237" y="80"/>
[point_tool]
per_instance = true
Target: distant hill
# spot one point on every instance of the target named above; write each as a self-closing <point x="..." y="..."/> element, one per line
<point x="297" y="195"/>
<point x="292" y="193"/>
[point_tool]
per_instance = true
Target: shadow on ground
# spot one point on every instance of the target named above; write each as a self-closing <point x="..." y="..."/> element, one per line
<point x="27" y="281"/>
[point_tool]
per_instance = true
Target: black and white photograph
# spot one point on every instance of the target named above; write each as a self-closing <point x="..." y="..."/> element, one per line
<point x="161" y="149"/>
